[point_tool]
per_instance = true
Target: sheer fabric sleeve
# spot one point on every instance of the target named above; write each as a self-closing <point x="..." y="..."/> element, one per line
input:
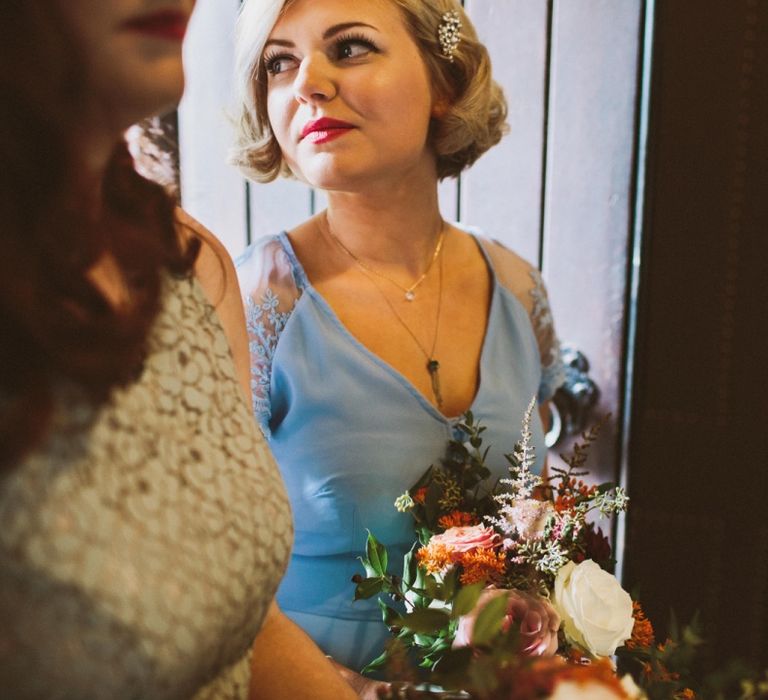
<point x="526" y="283"/>
<point x="270" y="292"/>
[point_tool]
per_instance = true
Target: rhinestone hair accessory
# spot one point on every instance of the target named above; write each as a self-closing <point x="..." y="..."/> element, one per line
<point x="448" y="33"/>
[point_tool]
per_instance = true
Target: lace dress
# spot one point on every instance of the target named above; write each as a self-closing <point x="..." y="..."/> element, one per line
<point x="141" y="544"/>
<point x="351" y="434"/>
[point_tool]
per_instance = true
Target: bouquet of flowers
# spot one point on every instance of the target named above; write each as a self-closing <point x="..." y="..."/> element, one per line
<point x="502" y="574"/>
<point x="508" y="592"/>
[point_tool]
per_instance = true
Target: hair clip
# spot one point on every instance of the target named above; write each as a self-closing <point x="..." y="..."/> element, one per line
<point x="448" y="33"/>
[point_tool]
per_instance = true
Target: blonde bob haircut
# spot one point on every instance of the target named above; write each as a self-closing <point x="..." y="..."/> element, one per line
<point x="473" y="109"/>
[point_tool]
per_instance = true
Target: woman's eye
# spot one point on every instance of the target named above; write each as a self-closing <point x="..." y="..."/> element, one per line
<point x="354" y="48"/>
<point x="277" y="64"/>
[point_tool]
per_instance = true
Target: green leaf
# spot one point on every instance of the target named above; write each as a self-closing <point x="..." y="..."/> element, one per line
<point x="368" y="587"/>
<point x="434" y="588"/>
<point x="370" y="571"/>
<point x="377" y="555"/>
<point x="388" y="614"/>
<point x="425" y="620"/>
<point x="466" y="599"/>
<point x="377" y="663"/>
<point x="424" y="640"/>
<point x="410" y="567"/>
<point x="489" y="620"/>
<point x="450" y="583"/>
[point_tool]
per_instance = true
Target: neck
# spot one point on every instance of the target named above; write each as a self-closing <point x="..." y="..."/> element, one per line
<point x="396" y="227"/>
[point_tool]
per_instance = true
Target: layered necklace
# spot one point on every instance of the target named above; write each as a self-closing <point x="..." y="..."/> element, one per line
<point x="408" y="292"/>
<point x="432" y="364"/>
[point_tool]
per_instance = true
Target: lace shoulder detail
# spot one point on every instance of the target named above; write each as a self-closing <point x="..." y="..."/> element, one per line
<point x="268" y="277"/>
<point x="552" y="370"/>
<point x="525" y="281"/>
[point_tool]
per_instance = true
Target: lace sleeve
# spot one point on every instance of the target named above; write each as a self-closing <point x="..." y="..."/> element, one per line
<point x="552" y="372"/>
<point x="270" y="293"/>
<point x="525" y="282"/>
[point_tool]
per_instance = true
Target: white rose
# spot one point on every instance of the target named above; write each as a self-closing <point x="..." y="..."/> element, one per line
<point x="631" y="689"/>
<point x="596" y="610"/>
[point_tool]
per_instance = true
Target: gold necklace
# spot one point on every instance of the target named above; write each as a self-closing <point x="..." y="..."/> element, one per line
<point x="433" y="366"/>
<point x="409" y="292"/>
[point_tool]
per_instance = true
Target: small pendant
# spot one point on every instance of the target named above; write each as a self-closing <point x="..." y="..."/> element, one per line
<point x="409" y="295"/>
<point x="432" y="367"/>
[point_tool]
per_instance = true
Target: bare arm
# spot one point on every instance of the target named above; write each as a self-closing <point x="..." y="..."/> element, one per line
<point x="288" y="665"/>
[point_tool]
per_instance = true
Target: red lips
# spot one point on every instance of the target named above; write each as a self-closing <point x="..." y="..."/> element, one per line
<point x="325" y="129"/>
<point x="164" y="24"/>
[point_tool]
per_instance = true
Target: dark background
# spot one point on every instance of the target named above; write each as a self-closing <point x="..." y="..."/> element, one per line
<point x="697" y="527"/>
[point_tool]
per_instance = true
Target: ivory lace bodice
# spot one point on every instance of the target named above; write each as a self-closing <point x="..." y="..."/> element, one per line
<point x="141" y="543"/>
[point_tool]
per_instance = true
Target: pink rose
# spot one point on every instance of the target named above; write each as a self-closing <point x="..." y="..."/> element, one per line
<point x="538" y="621"/>
<point x="464" y="539"/>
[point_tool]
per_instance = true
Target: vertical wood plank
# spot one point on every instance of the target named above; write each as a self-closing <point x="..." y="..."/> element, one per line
<point x="588" y="190"/>
<point x="278" y="206"/>
<point x="211" y="190"/>
<point x="501" y="193"/>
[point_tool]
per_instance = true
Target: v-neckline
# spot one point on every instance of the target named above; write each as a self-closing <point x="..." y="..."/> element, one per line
<point x="304" y="284"/>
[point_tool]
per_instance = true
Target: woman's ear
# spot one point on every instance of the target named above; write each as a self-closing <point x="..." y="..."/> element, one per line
<point x="439" y="108"/>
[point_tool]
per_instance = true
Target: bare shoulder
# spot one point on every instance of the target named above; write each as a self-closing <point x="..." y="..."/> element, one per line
<point x="513" y="272"/>
<point x="214" y="268"/>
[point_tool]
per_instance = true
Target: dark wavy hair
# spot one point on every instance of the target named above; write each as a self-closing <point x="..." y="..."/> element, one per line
<point x="56" y="327"/>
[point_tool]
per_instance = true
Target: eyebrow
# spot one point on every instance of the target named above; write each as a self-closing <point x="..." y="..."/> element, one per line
<point x="327" y="34"/>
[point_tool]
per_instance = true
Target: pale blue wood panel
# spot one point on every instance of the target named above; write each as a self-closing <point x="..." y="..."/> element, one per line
<point x="278" y="206"/>
<point x="211" y="190"/>
<point x="588" y="192"/>
<point x="501" y="193"/>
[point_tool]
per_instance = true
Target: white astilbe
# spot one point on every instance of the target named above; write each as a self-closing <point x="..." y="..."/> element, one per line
<point x="521" y="484"/>
<point x="523" y="481"/>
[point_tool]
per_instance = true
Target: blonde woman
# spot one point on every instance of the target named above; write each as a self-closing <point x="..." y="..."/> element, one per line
<point x="375" y="324"/>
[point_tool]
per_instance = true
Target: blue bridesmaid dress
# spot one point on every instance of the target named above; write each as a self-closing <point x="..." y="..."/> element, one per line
<point x="350" y="433"/>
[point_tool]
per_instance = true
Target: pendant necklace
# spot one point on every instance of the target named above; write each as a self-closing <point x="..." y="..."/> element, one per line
<point x="433" y="366"/>
<point x="408" y="292"/>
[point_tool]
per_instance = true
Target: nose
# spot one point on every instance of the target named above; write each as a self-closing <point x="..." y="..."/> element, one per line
<point x="314" y="80"/>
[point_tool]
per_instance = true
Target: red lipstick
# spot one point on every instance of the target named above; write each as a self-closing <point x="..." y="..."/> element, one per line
<point x="165" y="24"/>
<point x="325" y="129"/>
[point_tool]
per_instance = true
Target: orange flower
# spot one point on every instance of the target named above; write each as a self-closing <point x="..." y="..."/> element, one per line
<point x="685" y="694"/>
<point x="434" y="557"/>
<point x="481" y="565"/>
<point x="420" y="495"/>
<point x="457" y="518"/>
<point x="642" y="632"/>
